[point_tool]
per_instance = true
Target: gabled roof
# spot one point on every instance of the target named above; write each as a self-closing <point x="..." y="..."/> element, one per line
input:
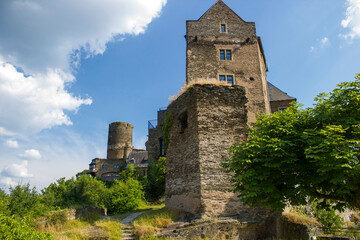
<point x="217" y="4"/>
<point x="275" y="94"/>
<point x="139" y="157"/>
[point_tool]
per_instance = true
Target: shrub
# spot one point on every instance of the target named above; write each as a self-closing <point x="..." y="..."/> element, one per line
<point x="10" y="229"/>
<point x="124" y="196"/>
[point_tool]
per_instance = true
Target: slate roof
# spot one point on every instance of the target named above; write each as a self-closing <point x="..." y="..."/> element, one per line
<point x="139" y="156"/>
<point x="275" y="94"/>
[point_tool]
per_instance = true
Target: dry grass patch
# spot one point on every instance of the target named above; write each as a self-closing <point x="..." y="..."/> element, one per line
<point x="300" y="219"/>
<point x="113" y="228"/>
<point x="147" y="224"/>
<point x="185" y="87"/>
<point x="67" y="231"/>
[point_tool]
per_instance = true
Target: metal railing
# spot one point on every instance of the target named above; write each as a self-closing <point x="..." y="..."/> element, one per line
<point x="152" y="124"/>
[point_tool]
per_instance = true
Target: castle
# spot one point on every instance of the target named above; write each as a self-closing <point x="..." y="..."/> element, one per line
<point x="120" y="153"/>
<point x="227" y="88"/>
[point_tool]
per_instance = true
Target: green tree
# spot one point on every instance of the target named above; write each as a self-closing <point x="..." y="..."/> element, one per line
<point x="24" y="201"/>
<point x="297" y="153"/>
<point x="4" y="202"/>
<point x="155" y="183"/>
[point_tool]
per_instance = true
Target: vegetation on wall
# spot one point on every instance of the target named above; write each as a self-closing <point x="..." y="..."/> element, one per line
<point x="155" y="182"/>
<point x="168" y="122"/>
<point x="297" y="153"/>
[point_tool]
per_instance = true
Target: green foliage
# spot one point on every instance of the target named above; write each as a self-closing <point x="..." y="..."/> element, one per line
<point x="297" y="153"/>
<point x="155" y="184"/>
<point x="329" y="220"/>
<point x="168" y="122"/>
<point x="119" y="196"/>
<point x="131" y="172"/>
<point x="24" y="201"/>
<point x="10" y="229"/>
<point x="124" y="196"/>
<point x="84" y="172"/>
<point x="4" y="203"/>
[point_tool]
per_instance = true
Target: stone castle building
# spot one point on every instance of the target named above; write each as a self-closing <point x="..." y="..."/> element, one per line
<point x="120" y="153"/>
<point x="209" y="118"/>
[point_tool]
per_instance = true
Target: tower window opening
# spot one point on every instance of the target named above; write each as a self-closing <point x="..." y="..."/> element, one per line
<point x="183" y="118"/>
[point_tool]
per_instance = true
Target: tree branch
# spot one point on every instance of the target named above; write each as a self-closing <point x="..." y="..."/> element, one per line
<point x="326" y="196"/>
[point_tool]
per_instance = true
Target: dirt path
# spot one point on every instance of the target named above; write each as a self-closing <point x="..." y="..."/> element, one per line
<point x="129" y="219"/>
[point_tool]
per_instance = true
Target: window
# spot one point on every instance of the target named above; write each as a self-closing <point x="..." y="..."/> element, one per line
<point x="282" y="109"/>
<point x="230" y="79"/>
<point x="225" y="55"/>
<point x="228" y="54"/>
<point x="223" y="27"/>
<point x="162" y="147"/>
<point x="183" y="122"/>
<point x="222" y="54"/>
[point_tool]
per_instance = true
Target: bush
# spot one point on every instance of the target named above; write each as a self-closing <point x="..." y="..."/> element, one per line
<point x="10" y="229"/>
<point x="124" y="196"/>
<point x="4" y="203"/>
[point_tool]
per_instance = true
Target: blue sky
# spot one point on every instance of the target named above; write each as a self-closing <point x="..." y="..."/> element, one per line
<point x="68" y="69"/>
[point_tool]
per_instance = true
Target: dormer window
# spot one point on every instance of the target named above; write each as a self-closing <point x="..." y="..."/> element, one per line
<point x="223" y="28"/>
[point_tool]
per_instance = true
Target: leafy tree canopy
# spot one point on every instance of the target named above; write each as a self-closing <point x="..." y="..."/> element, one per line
<point x="295" y="154"/>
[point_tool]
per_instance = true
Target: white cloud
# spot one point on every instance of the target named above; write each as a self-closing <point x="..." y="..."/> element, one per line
<point x="7" y="181"/>
<point x="5" y="132"/>
<point x="11" y="144"/>
<point x="30" y="154"/>
<point x="325" y="42"/>
<point x="17" y="170"/>
<point x="352" y="20"/>
<point x="41" y="41"/>
<point x="32" y="103"/>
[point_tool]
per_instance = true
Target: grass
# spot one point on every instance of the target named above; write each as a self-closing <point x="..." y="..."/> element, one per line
<point x="185" y="87"/>
<point x="300" y="219"/>
<point x="80" y="229"/>
<point x="69" y="230"/>
<point x="113" y="228"/>
<point x="147" y="224"/>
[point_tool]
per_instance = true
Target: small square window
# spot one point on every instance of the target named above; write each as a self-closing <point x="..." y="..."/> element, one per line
<point x="228" y="54"/>
<point x="230" y="79"/>
<point x="222" y="78"/>
<point x="223" y="27"/>
<point x="222" y="54"/>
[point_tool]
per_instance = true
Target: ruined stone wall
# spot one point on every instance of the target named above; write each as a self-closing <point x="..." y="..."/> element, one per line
<point x="204" y="42"/>
<point x="120" y="140"/>
<point x="183" y="185"/>
<point x="195" y="180"/>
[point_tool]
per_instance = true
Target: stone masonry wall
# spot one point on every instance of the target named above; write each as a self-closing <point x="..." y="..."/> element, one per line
<point x="204" y="41"/>
<point x="183" y="184"/>
<point x="195" y="180"/>
<point x="119" y="140"/>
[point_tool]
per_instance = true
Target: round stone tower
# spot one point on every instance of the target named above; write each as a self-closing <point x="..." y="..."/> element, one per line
<point x="120" y="140"/>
